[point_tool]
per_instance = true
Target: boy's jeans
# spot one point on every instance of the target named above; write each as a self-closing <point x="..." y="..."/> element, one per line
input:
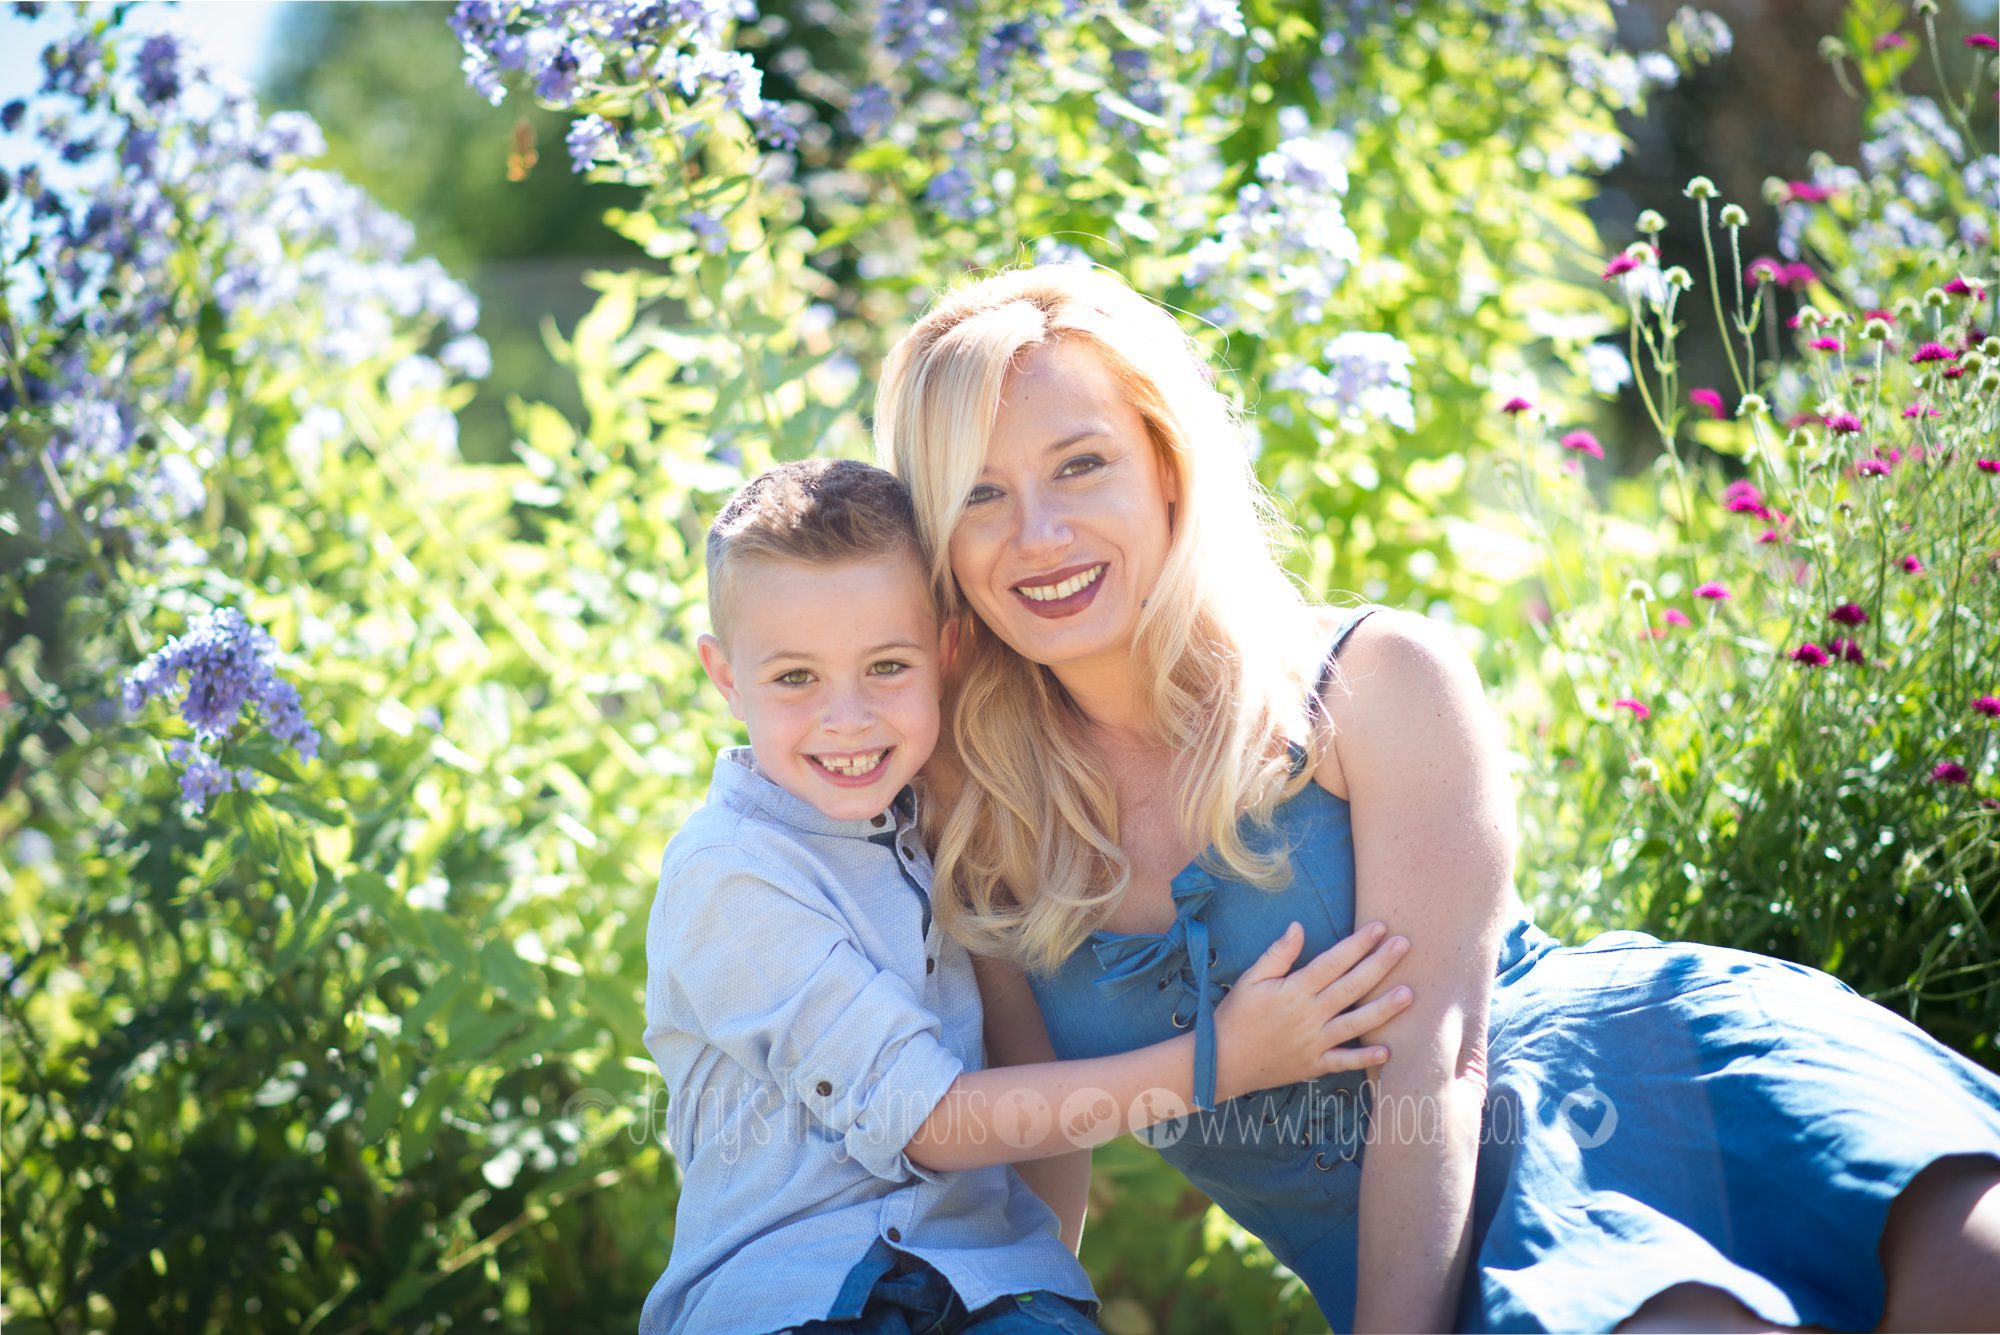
<point x="890" y="1292"/>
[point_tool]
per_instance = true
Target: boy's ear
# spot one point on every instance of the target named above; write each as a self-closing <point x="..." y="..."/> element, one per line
<point x="950" y="638"/>
<point x="716" y="664"/>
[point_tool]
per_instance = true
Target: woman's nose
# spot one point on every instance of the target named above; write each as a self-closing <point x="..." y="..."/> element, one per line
<point x="1044" y="524"/>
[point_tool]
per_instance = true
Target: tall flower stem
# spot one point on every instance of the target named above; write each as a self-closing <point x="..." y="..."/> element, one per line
<point x="1715" y="296"/>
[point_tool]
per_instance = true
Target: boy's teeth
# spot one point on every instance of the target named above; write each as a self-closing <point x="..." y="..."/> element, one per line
<point x="852" y="766"/>
<point x="1048" y="593"/>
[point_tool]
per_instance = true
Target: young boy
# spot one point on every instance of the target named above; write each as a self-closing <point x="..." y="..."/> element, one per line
<point x="840" y="1150"/>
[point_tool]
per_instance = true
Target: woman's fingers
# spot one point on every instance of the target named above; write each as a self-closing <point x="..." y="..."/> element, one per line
<point x="1276" y="961"/>
<point x="1331" y="964"/>
<point x="1352" y="1024"/>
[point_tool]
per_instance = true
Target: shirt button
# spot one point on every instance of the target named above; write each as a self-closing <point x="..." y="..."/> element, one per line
<point x="930" y="966"/>
<point x="878" y="821"/>
<point x="823" y="1088"/>
<point x="895" y="1235"/>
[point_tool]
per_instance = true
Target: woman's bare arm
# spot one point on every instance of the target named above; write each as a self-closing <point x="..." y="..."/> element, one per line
<point x="1418" y="756"/>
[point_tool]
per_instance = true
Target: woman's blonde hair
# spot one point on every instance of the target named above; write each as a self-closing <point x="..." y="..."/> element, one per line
<point x="1027" y="849"/>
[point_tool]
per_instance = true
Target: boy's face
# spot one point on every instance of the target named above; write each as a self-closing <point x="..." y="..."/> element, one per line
<point x="834" y="670"/>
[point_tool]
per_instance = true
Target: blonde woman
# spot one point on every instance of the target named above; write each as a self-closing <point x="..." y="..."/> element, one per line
<point x="1164" y="755"/>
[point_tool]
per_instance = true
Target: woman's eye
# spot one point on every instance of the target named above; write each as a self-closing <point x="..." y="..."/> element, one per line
<point x="796" y="677"/>
<point x="1083" y="463"/>
<point x="980" y="494"/>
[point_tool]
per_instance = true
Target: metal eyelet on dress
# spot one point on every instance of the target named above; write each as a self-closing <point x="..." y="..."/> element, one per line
<point x="1319" y="1162"/>
<point x="1179" y="1023"/>
<point x="1165" y="979"/>
<point x="1225" y="987"/>
<point x="1211" y="955"/>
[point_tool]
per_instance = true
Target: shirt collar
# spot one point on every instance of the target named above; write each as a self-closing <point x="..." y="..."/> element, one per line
<point x="739" y="785"/>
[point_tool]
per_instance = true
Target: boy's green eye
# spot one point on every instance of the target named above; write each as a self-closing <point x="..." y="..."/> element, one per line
<point x="886" y="668"/>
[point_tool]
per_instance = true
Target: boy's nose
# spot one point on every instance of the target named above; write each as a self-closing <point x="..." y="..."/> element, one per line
<point x="847" y="711"/>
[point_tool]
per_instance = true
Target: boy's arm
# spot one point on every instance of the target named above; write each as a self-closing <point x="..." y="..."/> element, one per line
<point x="748" y="959"/>
<point x="1017" y="1036"/>
<point x="1273" y="1029"/>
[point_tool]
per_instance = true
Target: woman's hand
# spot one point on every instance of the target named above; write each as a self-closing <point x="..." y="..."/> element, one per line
<point x="1277" y="1027"/>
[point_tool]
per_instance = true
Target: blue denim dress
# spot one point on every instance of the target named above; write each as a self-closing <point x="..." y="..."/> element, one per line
<point x="1657" y="1113"/>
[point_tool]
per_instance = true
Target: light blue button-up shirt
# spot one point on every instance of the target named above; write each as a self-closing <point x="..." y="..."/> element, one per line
<point x="807" y="1016"/>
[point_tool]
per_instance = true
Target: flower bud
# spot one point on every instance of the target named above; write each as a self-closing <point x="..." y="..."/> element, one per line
<point x="1927" y="9"/>
<point x="1751" y="405"/>
<point x="1733" y="216"/>
<point x="1838" y="320"/>
<point x="1639" y="591"/>
<point x="1832" y="48"/>
<point x="1809" y="316"/>
<point x="1991" y="347"/>
<point x="1989" y="383"/>
<point x="1646" y="769"/>
<point x="1643" y="252"/>
<point x="1776" y="191"/>
<point x="1700" y="188"/>
<point x="1678" y="278"/>
<point x="1875" y="331"/>
<point x="1906" y="307"/>
<point x="1650" y="222"/>
<point x="1973" y="362"/>
<point x="1935" y="298"/>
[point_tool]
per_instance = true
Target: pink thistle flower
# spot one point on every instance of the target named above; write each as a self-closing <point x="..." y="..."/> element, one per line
<point x="1583" y="443"/>
<point x="1950" y="771"/>
<point x="1920" y="410"/>
<point x="1763" y="269"/>
<point x="1796" y="275"/>
<point x="1873" y="467"/>
<point x="1988" y="705"/>
<point x="1886" y="317"/>
<point x="1673" y="616"/>
<point x="1958" y="287"/>
<point x="1987" y="465"/>
<point x="1893" y="455"/>
<point x="1791" y="322"/>
<point x="1889" y="40"/>
<point x="1620" y="263"/>
<point x="1709" y="399"/>
<point x="1825" y="345"/>
<point x="1805" y="419"/>
<point x="1849" y="614"/>
<point x="1985" y="41"/>
<point x="1954" y="371"/>
<point x="1842" y="647"/>
<point x="1844" y="424"/>
<point x="1805" y="192"/>
<point x="1748" y="505"/>
<point x="1516" y="406"/>
<point x="1713" y="592"/>
<point x="1911" y="565"/>
<point x="1768" y="536"/>
<point x="1639" y="711"/>
<point x="1932" y="352"/>
<point x="1811" y="655"/>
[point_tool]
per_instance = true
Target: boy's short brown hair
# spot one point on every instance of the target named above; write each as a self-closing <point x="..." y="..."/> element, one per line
<point x="817" y="511"/>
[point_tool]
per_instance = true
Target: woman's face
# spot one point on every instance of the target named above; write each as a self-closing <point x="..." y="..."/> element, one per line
<point x="1066" y="529"/>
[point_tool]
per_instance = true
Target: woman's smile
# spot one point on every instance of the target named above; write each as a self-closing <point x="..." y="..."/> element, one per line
<point x="1064" y="593"/>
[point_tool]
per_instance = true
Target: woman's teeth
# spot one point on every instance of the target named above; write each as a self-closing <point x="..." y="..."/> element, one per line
<point x="1048" y="593"/>
<point x="852" y="767"/>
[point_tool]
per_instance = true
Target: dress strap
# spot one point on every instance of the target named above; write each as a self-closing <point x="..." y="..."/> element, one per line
<point x="1351" y="617"/>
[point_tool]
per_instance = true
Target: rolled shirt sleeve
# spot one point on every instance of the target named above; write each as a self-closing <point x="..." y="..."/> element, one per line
<point x="769" y="974"/>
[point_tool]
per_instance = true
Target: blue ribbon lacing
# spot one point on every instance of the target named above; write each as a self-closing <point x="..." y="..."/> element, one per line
<point x="1179" y="960"/>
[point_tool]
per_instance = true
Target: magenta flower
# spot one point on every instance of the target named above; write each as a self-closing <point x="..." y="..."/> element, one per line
<point x="1849" y="614"/>
<point x="1842" y="647"/>
<point x="1763" y="269"/>
<point x="1987" y="465"/>
<point x="1639" y="711"/>
<point x="1709" y="399"/>
<point x="1843" y="424"/>
<point x="1932" y="352"/>
<point x="1958" y="287"/>
<point x="1920" y="410"/>
<point x="1811" y="655"/>
<point x="1954" y="371"/>
<point x="1890" y="39"/>
<point x="1825" y="344"/>
<point x="1796" y="275"/>
<point x="1516" y="406"/>
<point x="1620" y="263"/>
<point x="1769" y="535"/>
<point x="1985" y="41"/>
<point x="1950" y="771"/>
<point x="1583" y="443"/>
<point x="1911" y="565"/>
<point x="1988" y="705"/>
<point x="1805" y="192"/>
<point x="1873" y="467"/>
<point x="1713" y="592"/>
<point x="1886" y="317"/>
<point x="1673" y="616"/>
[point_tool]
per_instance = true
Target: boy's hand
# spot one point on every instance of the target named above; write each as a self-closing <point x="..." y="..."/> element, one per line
<point x="1276" y="1028"/>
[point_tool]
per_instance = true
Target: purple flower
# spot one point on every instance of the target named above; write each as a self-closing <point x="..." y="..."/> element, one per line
<point x="1843" y="424"/>
<point x="1825" y="345"/>
<point x="1987" y="465"/>
<point x="1713" y="592"/>
<point x="588" y="138"/>
<point x="1583" y="443"/>
<point x="11" y="114"/>
<point x="1932" y="352"/>
<point x="1849" y="614"/>
<point x="1985" y="41"/>
<point x="1911" y="565"/>
<point x="1620" y="263"/>
<point x="1989" y="705"/>
<point x="1673" y="616"/>
<point x="159" y="68"/>
<point x="1919" y="410"/>
<point x="1639" y="711"/>
<point x="1516" y="406"/>
<point x="1709" y="399"/>
<point x="1810" y="654"/>
<point x="1873" y="467"/>
<point x="1950" y="771"/>
<point x="714" y="239"/>
<point x="1842" y="647"/>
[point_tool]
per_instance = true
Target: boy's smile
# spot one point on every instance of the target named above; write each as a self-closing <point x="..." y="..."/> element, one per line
<point x="834" y="671"/>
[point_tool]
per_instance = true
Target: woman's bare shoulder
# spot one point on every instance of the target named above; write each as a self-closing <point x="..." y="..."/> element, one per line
<point x="1398" y="674"/>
